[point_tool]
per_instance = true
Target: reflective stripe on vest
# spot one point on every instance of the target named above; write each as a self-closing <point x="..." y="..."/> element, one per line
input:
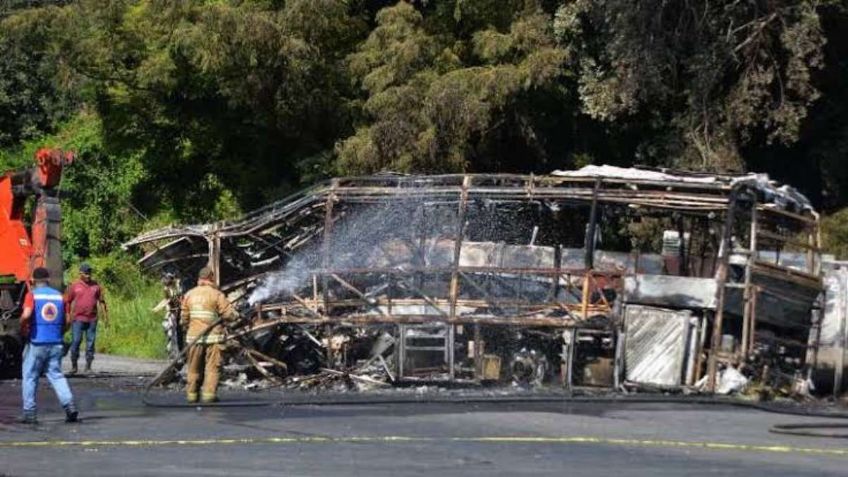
<point x="202" y="315"/>
<point x="49" y="316"/>
<point x="211" y="338"/>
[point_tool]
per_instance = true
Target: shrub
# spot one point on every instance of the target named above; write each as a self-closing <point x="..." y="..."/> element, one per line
<point x="834" y="228"/>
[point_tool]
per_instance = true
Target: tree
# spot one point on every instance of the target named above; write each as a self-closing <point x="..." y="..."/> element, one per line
<point x="215" y="98"/>
<point x="709" y="77"/>
<point x="440" y="96"/>
<point x="36" y="91"/>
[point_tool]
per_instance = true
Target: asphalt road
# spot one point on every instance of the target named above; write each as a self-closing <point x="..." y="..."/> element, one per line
<point x="121" y="436"/>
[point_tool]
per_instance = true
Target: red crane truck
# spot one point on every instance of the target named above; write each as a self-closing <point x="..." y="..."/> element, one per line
<point x="23" y="248"/>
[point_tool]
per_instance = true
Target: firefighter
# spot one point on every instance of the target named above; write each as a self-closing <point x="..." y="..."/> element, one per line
<point x="202" y="306"/>
<point x="43" y="322"/>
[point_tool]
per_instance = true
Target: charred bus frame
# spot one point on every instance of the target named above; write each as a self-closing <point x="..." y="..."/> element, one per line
<point x="764" y="256"/>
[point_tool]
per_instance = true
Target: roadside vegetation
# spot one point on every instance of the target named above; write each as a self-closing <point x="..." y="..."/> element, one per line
<point x="189" y="111"/>
<point x="133" y="329"/>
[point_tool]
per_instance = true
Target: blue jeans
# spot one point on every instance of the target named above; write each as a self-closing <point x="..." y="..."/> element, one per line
<point x="90" y="330"/>
<point x="44" y="359"/>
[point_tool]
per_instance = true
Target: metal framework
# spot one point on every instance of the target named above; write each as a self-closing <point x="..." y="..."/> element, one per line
<point x="436" y="276"/>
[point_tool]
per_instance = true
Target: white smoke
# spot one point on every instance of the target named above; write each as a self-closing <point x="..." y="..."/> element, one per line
<point x="360" y="238"/>
<point x="285" y="282"/>
<point x="354" y="240"/>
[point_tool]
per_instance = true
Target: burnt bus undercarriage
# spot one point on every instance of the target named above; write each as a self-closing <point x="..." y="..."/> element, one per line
<point x="602" y="277"/>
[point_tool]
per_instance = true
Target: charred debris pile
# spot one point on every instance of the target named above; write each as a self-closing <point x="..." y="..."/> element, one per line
<point x="604" y="277"/>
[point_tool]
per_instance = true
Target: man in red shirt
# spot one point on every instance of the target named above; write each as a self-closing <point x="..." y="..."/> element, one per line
<point x="83" y="298"/>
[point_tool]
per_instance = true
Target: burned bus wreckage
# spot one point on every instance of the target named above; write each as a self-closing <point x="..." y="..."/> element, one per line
<point x="604" y="277"/>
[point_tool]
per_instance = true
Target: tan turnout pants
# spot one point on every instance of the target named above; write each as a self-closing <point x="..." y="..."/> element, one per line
<point x="206" y="359"/>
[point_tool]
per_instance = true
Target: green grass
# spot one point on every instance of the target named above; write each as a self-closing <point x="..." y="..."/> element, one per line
<point x="133" y="330"/>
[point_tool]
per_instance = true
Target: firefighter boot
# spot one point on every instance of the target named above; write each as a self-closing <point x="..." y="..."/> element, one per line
<point x="71" y="413"/>
<point x="191" y="397"/>
<point x="208" y="398"/>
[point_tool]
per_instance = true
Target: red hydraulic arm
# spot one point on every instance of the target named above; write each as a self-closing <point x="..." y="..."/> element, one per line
<point x="21" y="252"/>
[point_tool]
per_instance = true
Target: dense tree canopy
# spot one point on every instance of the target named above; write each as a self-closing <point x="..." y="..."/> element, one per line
<point x="443" y="102"/>
<point x="35" y="94"/>
<point x="189" y="110"/>
<point x="710" y="74"/>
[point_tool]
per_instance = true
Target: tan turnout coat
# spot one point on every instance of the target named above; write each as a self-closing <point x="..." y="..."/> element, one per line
<point x="201" y="306"/>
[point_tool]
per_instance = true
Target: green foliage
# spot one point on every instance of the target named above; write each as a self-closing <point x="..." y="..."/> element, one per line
<point x="35" y="91"/>
<point x="115" y="271"/>
<point x="834" y="230"/>
<point x="215" y="98"/>
<point x="714" y="75"/>
<point x="133" y="329"/>
<point x="97" y="190"/>
<point x="223" y="106"/>
<point x="433" y="99"/>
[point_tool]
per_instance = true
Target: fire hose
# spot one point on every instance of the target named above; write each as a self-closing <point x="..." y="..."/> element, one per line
<point x="809" y="429"/>
<point x="172" y="366"/>
<point x="795" y="429"/>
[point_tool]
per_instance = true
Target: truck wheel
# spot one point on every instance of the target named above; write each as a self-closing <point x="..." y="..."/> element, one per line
<point x="10" y="357"/>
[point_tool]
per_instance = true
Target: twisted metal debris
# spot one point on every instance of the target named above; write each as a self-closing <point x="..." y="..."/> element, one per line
<point x="602" y="277"/>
